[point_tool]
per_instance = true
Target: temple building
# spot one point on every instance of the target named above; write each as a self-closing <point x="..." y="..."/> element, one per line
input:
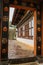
<point x="25" y="29"/>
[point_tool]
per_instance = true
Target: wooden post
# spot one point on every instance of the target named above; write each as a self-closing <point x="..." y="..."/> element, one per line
<point x="35" y="33"/>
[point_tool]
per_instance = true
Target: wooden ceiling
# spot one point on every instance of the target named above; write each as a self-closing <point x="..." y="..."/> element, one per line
<point x="18" y="15"/>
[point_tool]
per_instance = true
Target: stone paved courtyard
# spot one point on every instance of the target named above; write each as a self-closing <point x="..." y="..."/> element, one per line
<point x="18" y="50"/>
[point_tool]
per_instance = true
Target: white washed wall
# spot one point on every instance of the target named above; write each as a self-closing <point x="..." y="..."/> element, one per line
<point x="24" y="40"/>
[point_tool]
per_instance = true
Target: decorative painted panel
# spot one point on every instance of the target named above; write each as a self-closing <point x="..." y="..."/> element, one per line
<point x="38" y="30"/>
<point x="5" y="20"/>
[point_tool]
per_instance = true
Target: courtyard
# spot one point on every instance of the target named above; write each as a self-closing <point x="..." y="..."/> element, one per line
<point x="19" y="50"/>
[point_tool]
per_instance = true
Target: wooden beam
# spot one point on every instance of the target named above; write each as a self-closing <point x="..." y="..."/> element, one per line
<point x="14" y="15"/>
<point x="22" y="7"/>
<point x="24" y="17"/>
<point x="17" y="14"/>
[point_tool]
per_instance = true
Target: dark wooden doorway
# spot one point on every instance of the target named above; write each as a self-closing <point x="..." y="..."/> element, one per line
<point x="37" y="20"/>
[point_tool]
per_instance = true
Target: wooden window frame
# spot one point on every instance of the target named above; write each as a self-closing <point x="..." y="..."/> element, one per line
<point x="30" y="28"/>
<point x="26" y="30"/>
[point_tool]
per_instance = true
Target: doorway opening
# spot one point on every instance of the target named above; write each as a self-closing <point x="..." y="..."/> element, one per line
<point x="22" y="33"/>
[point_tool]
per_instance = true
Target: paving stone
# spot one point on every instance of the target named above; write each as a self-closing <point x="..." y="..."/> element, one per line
<point x="15" y="50"/>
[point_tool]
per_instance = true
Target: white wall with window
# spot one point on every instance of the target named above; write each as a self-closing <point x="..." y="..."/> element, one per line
<point x="28" y="41"/>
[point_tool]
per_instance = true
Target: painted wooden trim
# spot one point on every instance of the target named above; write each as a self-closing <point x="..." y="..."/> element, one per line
<point x="35" y="32"/>
<point x="22" y="7"/>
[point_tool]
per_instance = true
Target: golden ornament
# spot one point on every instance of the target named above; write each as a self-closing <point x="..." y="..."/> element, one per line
<point x="4" y="40"/>
<point x="39" y="47"/>
<point x="5" y="8"/>
<point x="39" y="29"/>
<point x="5" y="29"/>
<point x="39" y="39"/>
<point x="3" y="50"/>
<point x="38" y="22"/>
<point x="5" y="18"/>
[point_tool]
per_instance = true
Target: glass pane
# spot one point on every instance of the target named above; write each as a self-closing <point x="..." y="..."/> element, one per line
<point x="32" y="31"/>
<point x="30" y="24"/>
<point x="23" y="27"/>
<point x="29" y="32"/>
